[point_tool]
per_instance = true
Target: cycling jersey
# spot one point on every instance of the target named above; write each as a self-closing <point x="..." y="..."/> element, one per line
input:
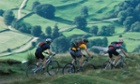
<point x="82" y="46"/>
<point x="42" y="48"/>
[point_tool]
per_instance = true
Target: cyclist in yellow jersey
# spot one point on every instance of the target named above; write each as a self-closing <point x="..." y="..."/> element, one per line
<point x="77" y="53"/>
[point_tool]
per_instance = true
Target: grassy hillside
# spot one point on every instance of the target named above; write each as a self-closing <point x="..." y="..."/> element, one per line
<point x="10" y="4"/>
<point x="15" y="74"/>
<point x="3" y="26"/>
<point x="16" y="40"/>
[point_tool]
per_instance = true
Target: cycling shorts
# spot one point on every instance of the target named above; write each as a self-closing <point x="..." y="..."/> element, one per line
<point x="39" y="55"/>
<point x="112" y="52"/>
<point x="75" y="54"/>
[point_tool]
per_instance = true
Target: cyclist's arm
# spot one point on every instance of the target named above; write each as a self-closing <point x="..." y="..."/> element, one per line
<point x="87" y="52"/>
<point x="124" y="52"/>
<point x="49" y="51"/>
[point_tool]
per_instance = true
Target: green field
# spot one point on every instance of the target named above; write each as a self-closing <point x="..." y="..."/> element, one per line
<point x="2" y="25"/>
<point x="16" y="40"/>
<point x="66" y="11"/>
<point x="10" y="4"/>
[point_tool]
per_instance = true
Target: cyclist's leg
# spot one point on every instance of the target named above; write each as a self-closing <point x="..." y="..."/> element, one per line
<point x="81" y="58"/>
<point x="117" y="56"/>
<point x="41" y="58"/>
<point x="110" y="52"/>
<point x="72" y="53"/>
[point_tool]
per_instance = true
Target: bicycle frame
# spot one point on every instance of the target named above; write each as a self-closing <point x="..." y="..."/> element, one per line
<point x="51" y="68"/>
<point x="120" y="63"/>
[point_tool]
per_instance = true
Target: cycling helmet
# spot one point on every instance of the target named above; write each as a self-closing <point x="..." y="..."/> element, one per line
<point x="120" y="40"/>
<point x="85" y="40"/>
<point x="48" y="40"/>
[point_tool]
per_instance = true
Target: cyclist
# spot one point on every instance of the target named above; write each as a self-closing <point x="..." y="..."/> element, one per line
<point x="76" y="52"/>
<point x="42" y="47"/>
<point x="112" y="50"/>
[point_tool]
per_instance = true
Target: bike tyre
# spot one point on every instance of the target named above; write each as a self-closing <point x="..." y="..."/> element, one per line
<point x="53" y="68"/>
<point x="30" y="71"/>
<point x="68" y="68"/>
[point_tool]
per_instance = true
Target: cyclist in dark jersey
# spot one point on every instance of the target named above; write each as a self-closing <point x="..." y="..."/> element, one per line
<point x="112" y="50"/>
<point x="43" y="46"/>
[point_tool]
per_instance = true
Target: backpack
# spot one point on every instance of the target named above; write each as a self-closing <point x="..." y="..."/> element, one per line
<point x="42" y="44"/>
<point x="77" y="43"/>
<point x="114" y="45"/>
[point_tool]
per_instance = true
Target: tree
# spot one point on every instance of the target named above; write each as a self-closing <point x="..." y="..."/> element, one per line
<point x="55" y="32"/>
<point x="36" y="31"/>
<point x="8" y="17"/>
<point x="48" y="31"/>
<point x="128" y="22"/>
<point x="35" y="4"/>
<point x="84" y="11"/>
<point x="1" y="12"/>
<point x="60" y="45"/>
<point x="80" y="22"/>
<point x="135" y="27"/>
<point x="105" y="41"/>
<point x="94" y="30"/>
<point x="46" y="10"/>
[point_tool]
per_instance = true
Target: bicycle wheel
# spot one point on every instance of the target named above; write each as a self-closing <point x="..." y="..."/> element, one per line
<point x="123" y="65"/>
<point x="68" y="68"/>
<point x="89" y="67"/>
<point x="108" y="66"/>
<point x="53" y="68"/>
<point x="31" y="70"/>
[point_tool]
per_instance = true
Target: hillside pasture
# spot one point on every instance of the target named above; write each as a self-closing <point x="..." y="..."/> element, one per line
<point x="6" y="4"/>
<point x="37" y="20"/>
<point x="70" y="11"/>
<point x="2" y="25"/>
<point x="11" y="40"/>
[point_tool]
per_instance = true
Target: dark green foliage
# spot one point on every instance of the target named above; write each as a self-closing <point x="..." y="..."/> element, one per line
<point x="36" y="31"/>
<point x="95" y="50"/>
<point x="48" y="31"/>
<point x="80" y="22"/>
<point x="135" y="27"/>
<point x="1" y="12"/>
<point x="84" y="11"/>
<point x="105" y="42"/>
<point x="107" y="30"/>
<point x="60" y="45"/>
<point x="46" y="10"/>
<point x="8" y="17"/>
<point x="31" y="59"/>
<point x="98" y="42"/>
<point x="94" y="30"/>
<point x="35" y="4"/>
<point x="24" y="27"/>
<point x="128" y="22"/>
<point x="55" y="32"/>
<point x="129" y="13"/>
<point x="8" y="50"/>
<point x="33" y="44"/>
<point x="120" y="36"/>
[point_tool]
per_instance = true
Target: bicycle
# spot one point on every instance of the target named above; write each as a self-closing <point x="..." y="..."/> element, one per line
<point x="74" y="68"/>
<point x="119" y="64"/>
<point x="52" y="67"/>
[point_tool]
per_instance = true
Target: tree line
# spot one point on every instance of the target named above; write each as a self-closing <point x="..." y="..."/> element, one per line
<point x="48" y="11"/>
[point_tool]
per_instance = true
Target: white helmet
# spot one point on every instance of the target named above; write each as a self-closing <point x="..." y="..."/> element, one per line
<point x="48" y="40"/>
<point x="120" y="40"/>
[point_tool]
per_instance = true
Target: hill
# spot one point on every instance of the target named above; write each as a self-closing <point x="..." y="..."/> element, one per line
<point x="15" y="74"/>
